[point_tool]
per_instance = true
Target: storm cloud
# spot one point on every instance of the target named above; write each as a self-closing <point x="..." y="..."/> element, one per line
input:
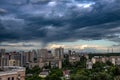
<point x="59" y="20"/>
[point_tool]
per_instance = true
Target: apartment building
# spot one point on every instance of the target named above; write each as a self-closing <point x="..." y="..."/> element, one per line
<point x="12" y="73"/>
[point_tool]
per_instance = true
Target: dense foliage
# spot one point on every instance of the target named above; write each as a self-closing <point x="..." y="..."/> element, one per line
<point x="55" y="74"/>
<point x="78" y="71"/>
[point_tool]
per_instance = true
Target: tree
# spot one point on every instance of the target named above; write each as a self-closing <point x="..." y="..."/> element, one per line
<point x="55" y="74"/>
<point x="34" y="77"/>
<point x="34" y="70"/>
<point x="66" y="63"/>
<point x="98" y="66"/>
<point x="53" y="77"/>
<point x="82" y="63"/>
<point x="114" y="70"/>
<point x="109" y="63"/>
<point x="79" y="77"/>
<point x="102" y="76"/>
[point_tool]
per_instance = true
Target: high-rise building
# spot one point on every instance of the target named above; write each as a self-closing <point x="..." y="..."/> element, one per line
<point x="38" y="52"/>
<point x="50" y="54"/>
<point x="22" y="58"/>
<point x="70" y="52"/>
<point x="59" y="52"/>
<point x="14" y="62"/>
<point x="34" y="56"/>
<point x="43" y="53"/>
<point x="2" y="53"/>
<point x="60" y="64"/>
<point x="6" y="59"/>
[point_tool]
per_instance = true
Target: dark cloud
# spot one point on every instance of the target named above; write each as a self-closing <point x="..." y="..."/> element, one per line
<point x="117" y="45"/>
<point x="16" y="45"/>
<point x="63" y="20"/>
<point x="2" y="11"/>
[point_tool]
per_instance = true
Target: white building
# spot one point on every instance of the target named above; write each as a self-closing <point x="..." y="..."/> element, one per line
<point x="89" y="64"/>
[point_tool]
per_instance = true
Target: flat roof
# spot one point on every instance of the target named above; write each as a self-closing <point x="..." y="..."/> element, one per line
<point x="8" y="70"/>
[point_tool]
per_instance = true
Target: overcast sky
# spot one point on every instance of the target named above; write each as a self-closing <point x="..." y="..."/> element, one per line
<point x="90" y="25"/>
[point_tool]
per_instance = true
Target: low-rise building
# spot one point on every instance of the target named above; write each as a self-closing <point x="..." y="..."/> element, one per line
<point x="89" y="64"/>
<point x="74" y="57"/>
<point x="44" y="73"/>
<point x="66" y="74"/>
<point x="12" y="73"/>
<point x="113" y="59"/>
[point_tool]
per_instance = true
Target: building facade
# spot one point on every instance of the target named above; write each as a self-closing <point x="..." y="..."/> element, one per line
<point x="12" y="73"/>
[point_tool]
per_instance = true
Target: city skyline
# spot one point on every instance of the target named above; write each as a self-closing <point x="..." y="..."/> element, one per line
<point x="90" y="25"/>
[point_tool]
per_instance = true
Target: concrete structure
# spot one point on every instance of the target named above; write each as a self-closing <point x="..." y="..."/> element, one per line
<point x="2" y="52"/>
<point x="12" y="73"/>
<point x="59" y="52"/>
<point x="50" y="61"/>
<point x="96" y="59"/>
<point x="74" y="57"/>
<point x="44" y="73"/>
<point x="14" y="62"/>
<point x="113" y="59"/>
<point x="89" y="64"/>
<point x="60" y="64"/>
<point x="31" y="58"/>
<point x="43" y="53"/>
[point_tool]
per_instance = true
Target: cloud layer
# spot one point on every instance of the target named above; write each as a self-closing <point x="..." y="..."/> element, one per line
<point x="59" y="20"/>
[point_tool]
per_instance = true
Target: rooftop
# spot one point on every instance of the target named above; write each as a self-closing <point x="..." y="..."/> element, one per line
<point x="7" y="70"/>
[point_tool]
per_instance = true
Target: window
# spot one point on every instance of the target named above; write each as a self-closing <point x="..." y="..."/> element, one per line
<point x="9" y="78"/>
<point x="12" y="78"/>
